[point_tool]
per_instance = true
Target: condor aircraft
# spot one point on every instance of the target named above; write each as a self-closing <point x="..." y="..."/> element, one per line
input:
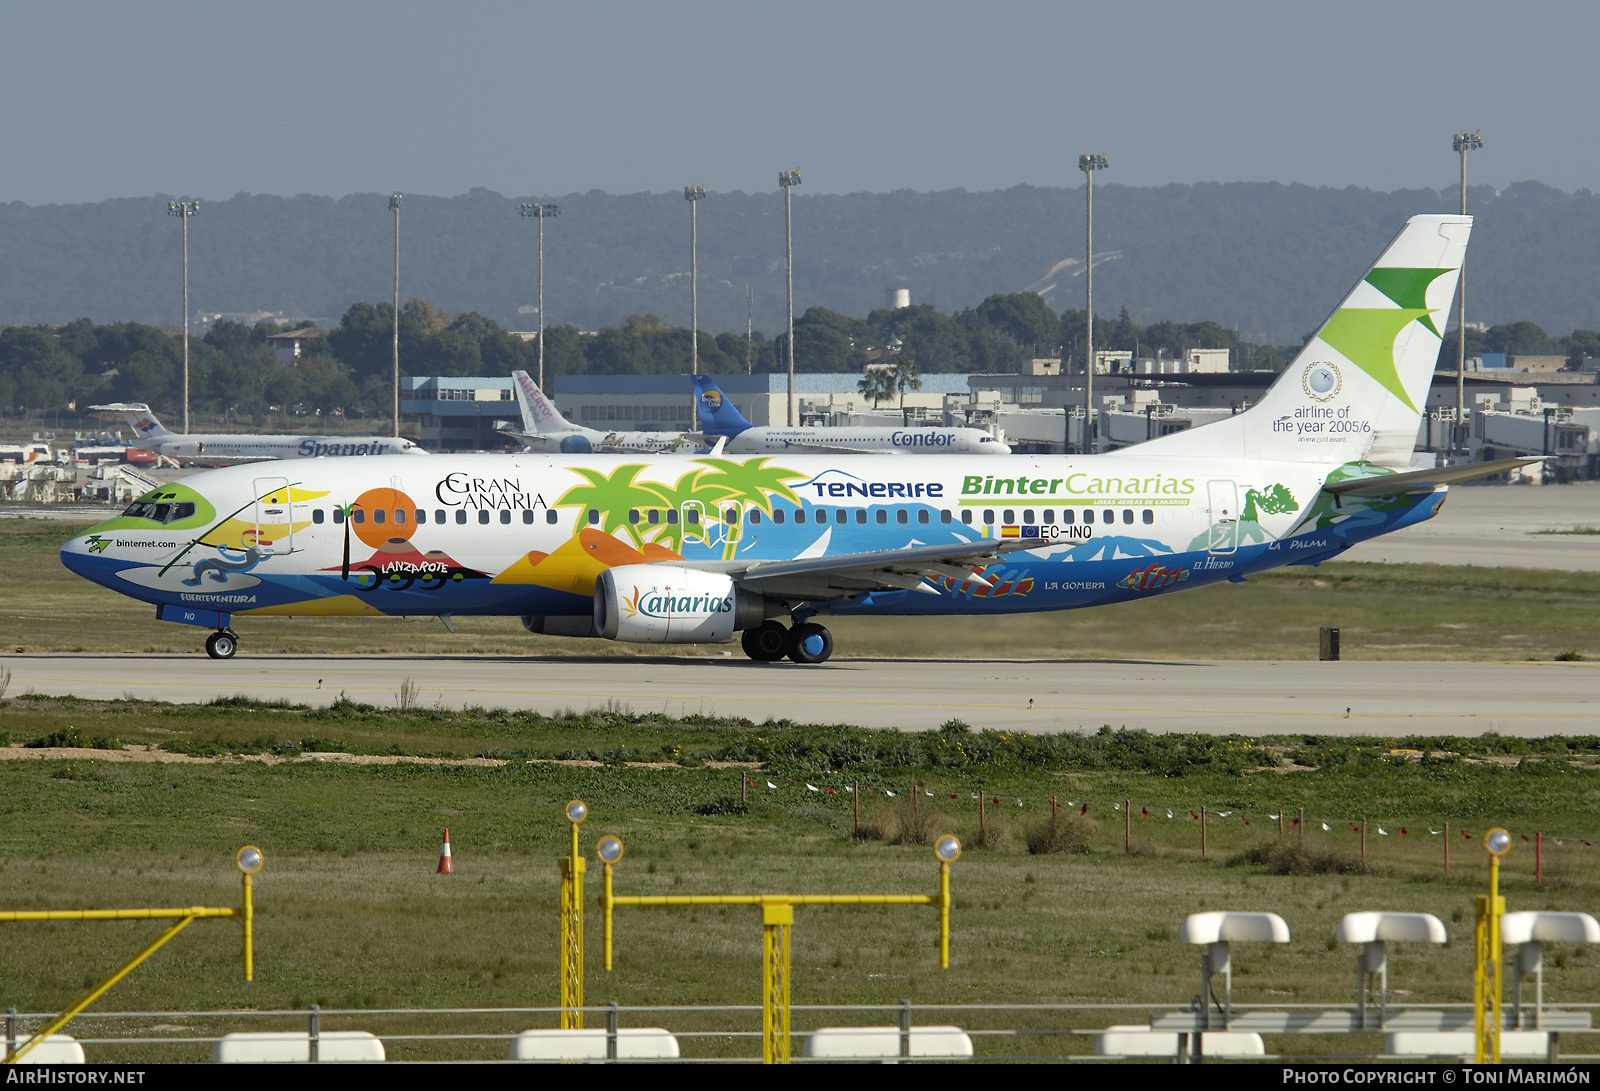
<point x="545" y="429"/>
<point x="719" y="417"/>
<point x="150" y="435"/>
<point x="667" y="549"/>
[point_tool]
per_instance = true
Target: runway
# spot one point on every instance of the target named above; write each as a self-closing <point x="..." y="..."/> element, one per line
<point x="1257" y="698"/>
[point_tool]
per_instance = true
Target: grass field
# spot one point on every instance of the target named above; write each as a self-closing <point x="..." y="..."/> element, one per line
<point x="1384" y="611"/>
<point x="351" y="913"/>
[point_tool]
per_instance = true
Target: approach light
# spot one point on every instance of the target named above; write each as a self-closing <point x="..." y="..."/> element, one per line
<point x="577" y="811"/>
<point x="947" y="849"/>
<point x="609" y="849"/>
<point x="1497" y="841"/>
<point x="249" y="860"/>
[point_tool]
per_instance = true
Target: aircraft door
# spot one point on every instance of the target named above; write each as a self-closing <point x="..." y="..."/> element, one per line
<point x="274" y="517"/>
<point x="1223" y="515"/>
<point x="693" y="514"/>
<point x="963" y="441"/>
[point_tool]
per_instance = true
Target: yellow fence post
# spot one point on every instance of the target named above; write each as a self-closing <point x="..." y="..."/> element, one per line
<point x="571" y="970"/>
<point x="776" y="920"/>
<point x="1486" y="982"/>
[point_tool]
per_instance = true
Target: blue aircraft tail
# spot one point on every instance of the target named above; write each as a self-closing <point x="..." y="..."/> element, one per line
<point x="718" y="417"/>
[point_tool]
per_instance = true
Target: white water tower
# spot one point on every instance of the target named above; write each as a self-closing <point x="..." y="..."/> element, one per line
<point x="898" y="298"/>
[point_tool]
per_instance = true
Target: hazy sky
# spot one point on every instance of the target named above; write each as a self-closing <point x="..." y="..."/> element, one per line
<point x="116" y="99"/>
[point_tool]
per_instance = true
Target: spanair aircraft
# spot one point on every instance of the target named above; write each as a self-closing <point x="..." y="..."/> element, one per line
<point x="545" y="430"/>
<point x="720" y="417"/>
<point x="667" y="549"/>
<point x="150" y="435"/>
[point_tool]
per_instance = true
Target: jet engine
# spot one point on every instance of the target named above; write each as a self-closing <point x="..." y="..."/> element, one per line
<point x="661" y="604"/>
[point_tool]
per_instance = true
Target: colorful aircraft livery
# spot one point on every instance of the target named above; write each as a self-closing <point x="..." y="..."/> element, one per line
<point x="685" y="549"/>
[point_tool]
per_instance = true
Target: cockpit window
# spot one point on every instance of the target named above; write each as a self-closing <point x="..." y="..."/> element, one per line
<point x="160" y="511"/>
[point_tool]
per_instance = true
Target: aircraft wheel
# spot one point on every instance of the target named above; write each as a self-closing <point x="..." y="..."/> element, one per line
<point x="810" y="643"/>
<point x="767" y="642"/>
<point x="221" y="645"/>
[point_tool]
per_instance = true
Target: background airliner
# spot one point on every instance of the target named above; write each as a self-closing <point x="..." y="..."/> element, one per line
<point x="244" y="446"/>
<point x="666" y="549"/>
<point x="545" y="429"/>
<point x="719" y="417"/>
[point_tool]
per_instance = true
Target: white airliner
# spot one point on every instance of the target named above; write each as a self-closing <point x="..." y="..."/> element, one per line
<point x="719" y="417"/>
<point x="545" y="429"/>
<point x="662" y="549"/>
<point x="150" y="435"/>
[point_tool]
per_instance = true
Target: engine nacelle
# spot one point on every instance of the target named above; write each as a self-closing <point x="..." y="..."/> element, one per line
<point x="661" y="604"/>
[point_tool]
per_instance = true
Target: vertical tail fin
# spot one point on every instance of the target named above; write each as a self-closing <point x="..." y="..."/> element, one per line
<point x="1358" y="389"/>
<point x="539" y="417"/>
<point x="139" y="418"/>
<point x="718" y="416"/>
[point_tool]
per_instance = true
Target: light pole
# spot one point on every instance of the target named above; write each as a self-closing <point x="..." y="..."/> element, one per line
<point x="183" y="210"/>
<point x="394" y="206"/>
<point x="1089" y="164"/>
<point x="1462" y="143"/>
<point x="694" y="195"/>
<point x="540" y="213"/>
<point x="788" y="179"/>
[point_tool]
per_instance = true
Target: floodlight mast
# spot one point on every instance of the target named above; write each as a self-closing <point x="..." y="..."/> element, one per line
<point x="789" y="179"/>
<point x="541" y="213"/>
<point x="1089" y="164"/>
<point x="394" y="206"/>
<point x="1462" y="143"/>
<point x="183" y="210"/>
<point x="694" y="195"/>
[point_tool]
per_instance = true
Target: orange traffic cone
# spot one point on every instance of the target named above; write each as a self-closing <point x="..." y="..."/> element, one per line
<point x="444" y="857"/>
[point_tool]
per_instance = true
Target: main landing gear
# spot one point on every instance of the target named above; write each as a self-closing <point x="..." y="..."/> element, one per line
<point x="770" y="641"/>
<point x="222" y="644"/>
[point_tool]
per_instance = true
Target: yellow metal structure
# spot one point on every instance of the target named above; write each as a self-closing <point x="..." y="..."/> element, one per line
<point x="572" y="868"/>
<point x="248" y="866"/>
<point x="777" y="918"/>
<point x="1487" y="1016"/>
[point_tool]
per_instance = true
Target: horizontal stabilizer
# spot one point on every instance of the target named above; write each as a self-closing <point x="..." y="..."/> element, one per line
<point x="1424" y="480"/>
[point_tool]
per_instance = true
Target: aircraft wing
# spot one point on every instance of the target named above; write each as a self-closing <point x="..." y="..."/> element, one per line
<point x="1423" y="480"/>
<point x="880" y="570"/>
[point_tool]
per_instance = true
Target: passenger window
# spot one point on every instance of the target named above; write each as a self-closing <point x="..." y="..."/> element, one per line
<point x="1068" y="516"/>
<point x="691" y="518"/>
<point x="550" y="516"/>
<point x="944" y="515"/>
<point x="799" y="515"/>
<point x="422" y="517"/>
<point x="988" y="517"/>
<point x="1027" y="517"/>
<point x="438" y="516"/>
<point x="731" y="517"/>
<point x="777" y="516"/>
<point x="1088" y="515"/>
<point x="922" y="515"/>
<point x="1011" y="516"/>
<point x="483" y="516"/>
<point x="966" y="517"/>
<point x="633" y="516"/>
<point x="840" y="515"/>
<point x="316" y="515"/>
<point x="1108" y="516"/>
<point x="399" y="517"/>
<point x="1127" y="515"/>
<point x="861" y="515"/>
<point x="672" y="517"/>
<point x="1049" y="516"/>
<point x="900" y="516"/>
<point x="1149" y="517"/>
<point x="655" y="517"/>
<point x="461" y="515"/>
<point x="594" y="517"/>
<point x="358" y="517"/>
<point x="338" y="516"/>
<point x="883" y="516"/>
<point x="755" y="516"/>
<point x="822" y="515"/>
<point x="505" y="516"/>
<point x="527" y="516"/>
<point x="379" y="515"/>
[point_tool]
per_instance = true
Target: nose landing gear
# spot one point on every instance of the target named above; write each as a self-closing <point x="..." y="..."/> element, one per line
<point x="222" y="644"/>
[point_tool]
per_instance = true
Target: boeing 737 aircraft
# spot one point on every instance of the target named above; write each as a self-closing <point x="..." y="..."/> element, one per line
<point x="719" y="417"/>
<point x="664" y="550"/>
<point x="244" y="446"/>
<point x="544" y="429"/>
